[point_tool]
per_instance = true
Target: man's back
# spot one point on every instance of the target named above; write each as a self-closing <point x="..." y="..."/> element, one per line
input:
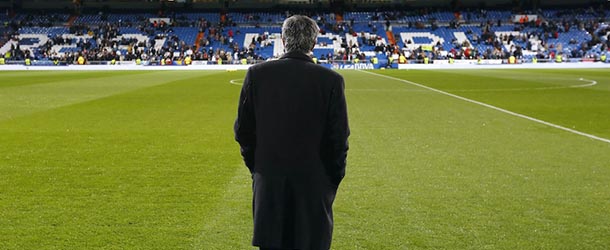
<point x="291" y="97"/>
<point x="292" y="128"/>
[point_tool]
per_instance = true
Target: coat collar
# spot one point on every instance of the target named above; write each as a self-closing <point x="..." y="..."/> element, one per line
<point x="297" y="55"/>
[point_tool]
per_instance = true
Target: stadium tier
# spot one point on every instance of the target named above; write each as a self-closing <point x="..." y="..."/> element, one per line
<point x="402" y="37"/>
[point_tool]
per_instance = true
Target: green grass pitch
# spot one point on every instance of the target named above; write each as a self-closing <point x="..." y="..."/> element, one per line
<point x="146" y="160"/>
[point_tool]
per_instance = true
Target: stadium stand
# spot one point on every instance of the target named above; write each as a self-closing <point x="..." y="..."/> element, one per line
<point x="417" y="36"/>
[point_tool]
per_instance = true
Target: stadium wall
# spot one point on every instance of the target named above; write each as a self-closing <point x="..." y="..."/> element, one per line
<point x="124" y="67"/>
<point x="583" y="65"/>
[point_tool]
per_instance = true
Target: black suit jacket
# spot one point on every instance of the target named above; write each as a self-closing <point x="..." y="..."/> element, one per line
<point x="292" y="127"/>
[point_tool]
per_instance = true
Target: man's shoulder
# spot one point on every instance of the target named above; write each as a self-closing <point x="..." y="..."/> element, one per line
<point x="275" y="64"/>
<point x="330" y="72"/>
<point x="264" y="65"/>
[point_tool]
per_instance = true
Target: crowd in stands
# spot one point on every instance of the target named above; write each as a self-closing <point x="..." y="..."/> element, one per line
<point x="102" y="40"/>
<point x="542" y="31"/>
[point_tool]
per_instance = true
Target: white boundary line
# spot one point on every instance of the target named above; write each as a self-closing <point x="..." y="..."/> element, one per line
<point x="236" y="82"/>
<point x="591" y="83"/>
<point x="493" y="107"/>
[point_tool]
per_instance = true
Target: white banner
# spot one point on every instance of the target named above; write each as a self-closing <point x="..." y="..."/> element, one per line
<point x="158" y="20"/>
<point x="524" y="18"/>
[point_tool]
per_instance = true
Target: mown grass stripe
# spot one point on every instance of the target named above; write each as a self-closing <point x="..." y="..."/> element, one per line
<point x="26" y="99"/>
<point x="594" y="137"/>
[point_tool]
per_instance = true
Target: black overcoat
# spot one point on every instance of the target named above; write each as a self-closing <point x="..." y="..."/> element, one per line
<point x="292" y="127"/>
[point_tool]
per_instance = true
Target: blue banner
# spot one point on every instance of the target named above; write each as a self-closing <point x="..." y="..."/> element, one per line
<point x="350" y="65"/>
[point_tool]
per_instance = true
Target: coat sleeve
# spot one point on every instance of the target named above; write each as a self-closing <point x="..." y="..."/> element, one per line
<point x="337" y="132"/>
<point x="245" y="125"/>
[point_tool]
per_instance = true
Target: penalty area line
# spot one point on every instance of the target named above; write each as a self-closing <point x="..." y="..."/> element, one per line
<point x="493" y="107"/>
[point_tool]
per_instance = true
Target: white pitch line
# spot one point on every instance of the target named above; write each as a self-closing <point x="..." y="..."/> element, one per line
<point x="494" y="107"/>
<point x="386" y="90"/>
<point x="591" y="83"/>
<point x="584" y="85"/>
<point x="235" y="82"/>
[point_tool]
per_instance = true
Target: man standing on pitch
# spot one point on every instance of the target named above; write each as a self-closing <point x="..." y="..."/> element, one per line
<point x="292" y="128"/>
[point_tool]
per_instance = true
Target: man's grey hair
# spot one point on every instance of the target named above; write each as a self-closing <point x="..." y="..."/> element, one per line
<point x="299" y="33"/>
